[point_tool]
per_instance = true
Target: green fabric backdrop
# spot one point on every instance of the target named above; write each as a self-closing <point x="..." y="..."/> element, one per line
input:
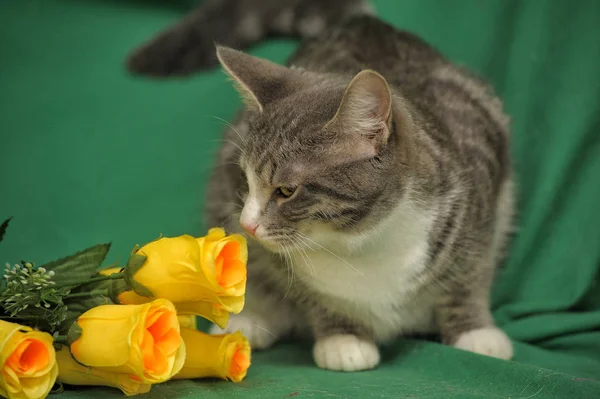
<point x="89" y="154"/>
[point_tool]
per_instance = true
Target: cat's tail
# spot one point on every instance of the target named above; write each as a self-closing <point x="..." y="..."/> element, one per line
<point x="189" y="45"/>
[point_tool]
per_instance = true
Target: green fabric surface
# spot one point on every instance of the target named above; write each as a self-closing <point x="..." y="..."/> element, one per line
<point x="89" y="154"/>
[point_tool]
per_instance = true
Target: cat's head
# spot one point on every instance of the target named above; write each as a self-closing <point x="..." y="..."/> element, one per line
<point x="324" y="157"/>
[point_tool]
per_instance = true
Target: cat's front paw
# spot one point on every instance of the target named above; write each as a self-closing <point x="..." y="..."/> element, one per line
<point x="253" y="328"/>
<point x="345" y="352"/>
<point x="489" y="341"/>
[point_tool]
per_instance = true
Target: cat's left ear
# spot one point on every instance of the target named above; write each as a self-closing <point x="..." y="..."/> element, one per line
<point x="258" y="81"/>
<point x="365" y="113"/>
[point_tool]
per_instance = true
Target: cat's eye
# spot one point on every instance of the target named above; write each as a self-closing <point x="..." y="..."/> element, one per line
<point x="285" y="192"/>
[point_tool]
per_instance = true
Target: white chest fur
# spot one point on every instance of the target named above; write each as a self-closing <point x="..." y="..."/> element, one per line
<point x="376" y="285"/>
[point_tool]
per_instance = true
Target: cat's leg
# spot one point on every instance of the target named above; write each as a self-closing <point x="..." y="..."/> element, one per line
<point x="262" y="329"/>
<point x="463" y="314"/>
<point x="465" y="321"/>
<point x="341" y="345"/>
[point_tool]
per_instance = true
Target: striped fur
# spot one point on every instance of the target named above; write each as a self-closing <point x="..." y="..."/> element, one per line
<point x="390" y="232"/>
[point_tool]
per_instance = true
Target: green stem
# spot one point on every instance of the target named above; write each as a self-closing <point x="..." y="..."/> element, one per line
<point x="101" y="292"/>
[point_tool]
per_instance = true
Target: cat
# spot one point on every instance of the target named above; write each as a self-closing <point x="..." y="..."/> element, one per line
<point x="373" y="179"/>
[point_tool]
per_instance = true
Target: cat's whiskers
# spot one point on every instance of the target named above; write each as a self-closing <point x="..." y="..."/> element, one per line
<point x="240" y="196"/>
<point x="232" y="128"/>
<point x="242" y="151"/>
<point x="228" y="218"/>
<point x="303" y="254"/>
<point x="233" y="204"/>
<point x="292" y="271"/>
<point x="290" y="268"/>
<point x="265" y="330"/>
<point x="331" y="252"/>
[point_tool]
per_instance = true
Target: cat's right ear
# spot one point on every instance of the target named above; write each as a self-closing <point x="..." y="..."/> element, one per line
<point x="258" y="81"/>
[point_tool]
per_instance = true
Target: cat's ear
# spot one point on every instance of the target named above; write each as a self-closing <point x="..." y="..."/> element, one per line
<point x="365" y="112"/>
<point x="258" y="81"/>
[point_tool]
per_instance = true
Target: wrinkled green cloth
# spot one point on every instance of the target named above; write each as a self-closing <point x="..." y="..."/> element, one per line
<point x="89" y="154"/>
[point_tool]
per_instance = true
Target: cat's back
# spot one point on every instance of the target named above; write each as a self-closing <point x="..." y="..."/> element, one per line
<point x="366" y="42"/>
<point x="460" y="110"/>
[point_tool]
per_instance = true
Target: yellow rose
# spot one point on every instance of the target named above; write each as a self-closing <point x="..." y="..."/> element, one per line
<point x="224" y="356"/>
<point x="28" y="362"/>
<point x="143" y="341"/>
<point x="74" y="373"/>
<point x="224" y="260"/>
<point x="203" y="276"/>
<point x="186" y="310"/>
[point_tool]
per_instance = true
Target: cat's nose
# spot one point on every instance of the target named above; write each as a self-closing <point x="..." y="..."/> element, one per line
<point x="250" y="227"/>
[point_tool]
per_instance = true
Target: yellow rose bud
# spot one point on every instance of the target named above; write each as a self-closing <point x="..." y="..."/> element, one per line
<point x="139" y="340"/>
<point x="28" y="362"/>
<point x="204" y="276"/>
<point x="222" y="356"/>
<point x="73" y="373"/>
<point x="224" y="261"/>
<point x="213" y="312"/>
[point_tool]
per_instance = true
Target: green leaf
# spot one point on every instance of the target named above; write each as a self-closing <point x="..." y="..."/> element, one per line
<point x="113" y="284"/>
<point x="75" y="269"/>
<point x="73" y="334"/>
<point x="135" y="263"/>
<point x="116" y="287"/>
<point x="141" y="289"/>
<point x="3" y="227"/>
<point x="78" y="306"/>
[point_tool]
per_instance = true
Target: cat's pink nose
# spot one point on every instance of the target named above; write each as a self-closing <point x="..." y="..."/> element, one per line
<point x="250" y="228"/>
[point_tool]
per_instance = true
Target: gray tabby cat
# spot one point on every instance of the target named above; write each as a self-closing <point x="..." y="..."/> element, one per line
<point x="375" y="179"/>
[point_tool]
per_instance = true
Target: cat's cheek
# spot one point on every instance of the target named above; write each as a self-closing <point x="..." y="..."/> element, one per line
<point x="270" y="245"/>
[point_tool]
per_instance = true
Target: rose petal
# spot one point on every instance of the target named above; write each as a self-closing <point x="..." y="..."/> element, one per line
<point x="12" y="380"/>
<point x="147" y="348"/>
<point x="30" y="356"/>
<point x="35" y="387"/>
<point x="239" y="364"/>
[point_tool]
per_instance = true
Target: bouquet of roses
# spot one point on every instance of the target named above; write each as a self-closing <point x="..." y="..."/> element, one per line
<point x="126" y="327"/>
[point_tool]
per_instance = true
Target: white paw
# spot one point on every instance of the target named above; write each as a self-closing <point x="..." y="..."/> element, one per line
<point x="254" y="329"/>
<point x="489" y="341"/>
<point x="345" y="353"/>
